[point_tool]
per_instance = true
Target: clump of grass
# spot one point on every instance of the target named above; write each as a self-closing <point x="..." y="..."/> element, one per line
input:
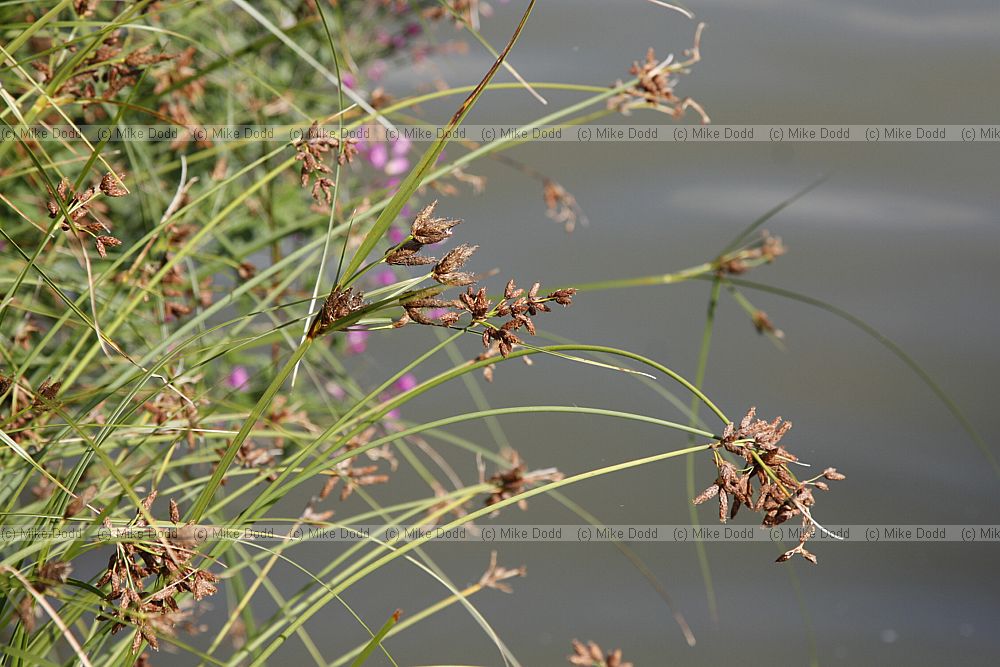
<point x="167" y="351"/>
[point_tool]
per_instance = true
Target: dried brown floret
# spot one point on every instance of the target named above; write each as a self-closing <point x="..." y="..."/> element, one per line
<point x="407" y="255"/>
<point x="113" y="185"/>
<point x="427" y="230"/>
<point x="45" y="395"/>
<point x="105" y="241"/>
<point x="341" y="303"/>
<point x="564" y="297"/>
<point x="338" y="305"/>
<point x="561" y="206"/>
<point x="763" y="324"/>
<point x="354" y="475"/>
<point x="81" y="500"/>
<point x="512" y="481"/>
<point x="175" y="310"/>
<point x="447" y="271"/>
<point x="476" y="303"/>
<point x="495" y="575"/>
<point x="591" y="655"/>
<point x="84" y="8"/>
<point x="52" y="573"/>
<point x="323" y="189"/>
<point x="763" y="251"/>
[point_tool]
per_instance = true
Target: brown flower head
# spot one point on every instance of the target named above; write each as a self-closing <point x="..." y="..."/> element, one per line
<point x="311" y="151"/>
<point x="763" y="324"/>
<point x="763" y="251"/>
<point x="780" y="495"/>
<point x="338" y="305"/>
<point x="514" y="480"/>
<point x="105" y="241"/>
<point x="428" y="230"/>
<point x="113" y="185"/>
<point x="654" y="87"/>
<point x="447" y="271"/>
<point x="408" y="255"/>
<point x="146" y="576"/>
<point x="495" y="575"/>
<point x="561" y="206"/>
<point x="591" y="655"/>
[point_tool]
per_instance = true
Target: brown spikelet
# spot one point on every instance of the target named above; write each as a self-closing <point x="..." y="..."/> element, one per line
<point x="407" y="255"/>
<point x="113" y="185"/>
<point x="82" y="500"/>
<point x="427" y="230"/>
<point x="103" y="242"/>
<point x="447" y="271"/>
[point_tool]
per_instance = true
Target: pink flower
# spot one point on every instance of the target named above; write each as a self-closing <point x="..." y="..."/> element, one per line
<point x="239" y="378"/>
<point x="348" y="79"/>
<point x="402" y="385"/>
<point x="405" y="383"/>
<point x="385" y="277"/>
<point x="357" y="341"/>
<point x="335" y="390"/>
<point x="377" y="70"/>
<point x="396" y="235"/>
<point x="392" y="160"/>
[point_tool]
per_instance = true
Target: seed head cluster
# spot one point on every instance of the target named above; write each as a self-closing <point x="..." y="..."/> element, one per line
<point x="779" y="495"/>
<point x="654" y="85"/>
<point x="147" y="576"/>
<point x="338" y="305"/>
<point x="763" y="251"/>
<point x="517" y="306"/>
<point x="516" y="479"/>
<point x="81" y="207"/>
<point x="311" y="151"/>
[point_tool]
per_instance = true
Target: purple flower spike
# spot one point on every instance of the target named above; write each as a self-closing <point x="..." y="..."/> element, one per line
<point x="405" y="383"/>
<point x="239" y="378"/>
<point x="401" y="146"/>
<point x="397" y="166"/>
<point x="396" y="235"/>
<point x="357" y="341"/>
<point x="377" y="70"/>
<point x="378" y="156"/>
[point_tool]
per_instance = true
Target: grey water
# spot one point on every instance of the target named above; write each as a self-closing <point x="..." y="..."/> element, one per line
<point x="905" y="236"/>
